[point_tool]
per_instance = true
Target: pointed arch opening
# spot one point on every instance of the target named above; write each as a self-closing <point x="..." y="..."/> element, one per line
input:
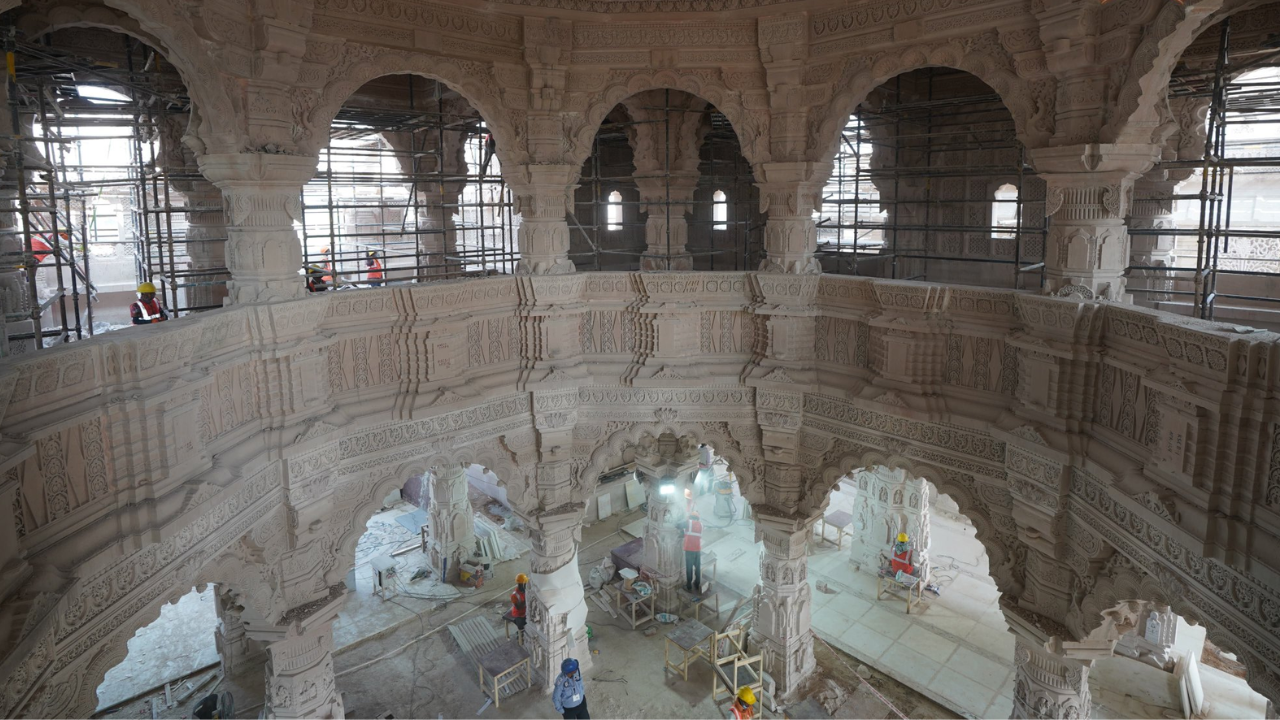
<point x="409" y="188"/>
<point x="665" y="187"/>
<point x="915" y="172"/>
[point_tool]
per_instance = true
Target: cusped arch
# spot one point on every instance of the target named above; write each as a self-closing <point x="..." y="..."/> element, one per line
<point x="1030" y="105"/>
<point x="1136" y="115"/>
<point x="216" y="122"/>
<point x="608" y="452"/>
<point x="751" y="127"/>
<point x="976" y="510"/>
<point x="356" y="65"/>
<point x="365" y="492"/>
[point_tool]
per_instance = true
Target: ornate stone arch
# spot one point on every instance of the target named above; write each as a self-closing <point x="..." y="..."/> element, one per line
<point x="1123" y="580"/>
<point x="744" y="460"/>
<point x="1136" y="115"/>
<point x="751" y="126"/>
<point x="1031" y="105"/>
<point x="989" y="523"/>
<point x="353" y="65"/>
<point x="357" y="498"/>
<point x="215" y="120"/>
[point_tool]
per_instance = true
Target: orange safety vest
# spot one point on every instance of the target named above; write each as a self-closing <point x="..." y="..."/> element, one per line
<point x="375" y="271"/>
<point x="741" y="713"/>
<point x="693" y="537"/>
<point x="517" y="600"/>
<point x="902" y="561"/>
<point x="150" y="312"/>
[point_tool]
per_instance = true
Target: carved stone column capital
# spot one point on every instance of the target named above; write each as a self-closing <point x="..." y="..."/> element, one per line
<point x="1089" y="192"/>
<point x="790" y="192"/>
<point x="543" y="196"/>
<point x="299" y="674"/>
<point x="557" y="609"/>
<point x="263" y="198"/>
<point x="1047" y="684"/>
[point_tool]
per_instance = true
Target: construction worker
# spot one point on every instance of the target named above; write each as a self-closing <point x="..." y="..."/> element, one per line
<point x="315" y="279"/>
<point x="147" y="309"/>
<point x="900" y="561"/>
<point x="327" y="263"/>
<point x="693" y="553"/>
<point x="569" y="695"/>
<point x="375" y="269"/>
<point x="518" y="602"/>
<point x="744" y="705"/>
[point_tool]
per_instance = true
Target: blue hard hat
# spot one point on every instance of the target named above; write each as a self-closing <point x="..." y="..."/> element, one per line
<point x="569" y="666"/>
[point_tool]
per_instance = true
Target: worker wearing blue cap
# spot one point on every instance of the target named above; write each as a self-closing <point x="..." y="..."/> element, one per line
<point x="569" y="696"/>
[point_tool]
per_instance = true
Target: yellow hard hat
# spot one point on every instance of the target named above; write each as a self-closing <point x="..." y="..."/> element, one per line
<point x="747" y="696"/>
<point x="522" y="579"/>
<point x="902" y="537"/>
<point x="146" y="287"/>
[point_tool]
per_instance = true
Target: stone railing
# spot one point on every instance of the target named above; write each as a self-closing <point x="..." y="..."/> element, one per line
<point x="248" y="445"/>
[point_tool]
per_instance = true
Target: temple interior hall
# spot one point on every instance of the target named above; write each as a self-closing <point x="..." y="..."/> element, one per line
<point x="892" y="359"/>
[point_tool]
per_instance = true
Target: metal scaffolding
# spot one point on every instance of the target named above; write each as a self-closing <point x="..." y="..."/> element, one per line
<point x="725" y="226"/>
<point x="86" y="182"/>
<point x="1224" y="218"/>
<point x="409" y="189"/>
<point x="929" y="173"/>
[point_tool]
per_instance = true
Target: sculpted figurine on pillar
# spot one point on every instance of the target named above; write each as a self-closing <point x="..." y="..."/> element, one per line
<point x="668" y="132"/>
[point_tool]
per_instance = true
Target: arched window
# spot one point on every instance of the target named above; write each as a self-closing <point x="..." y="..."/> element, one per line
<point x="720" y="210"/>
<point x="1004" y="212"/>
<point x="613" y="211"/>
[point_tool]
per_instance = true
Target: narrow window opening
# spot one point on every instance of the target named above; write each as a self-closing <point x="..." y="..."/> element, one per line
<point x="1004" y="212"/>
<point x="720" y="210"/>
<point x="613" y="211"/>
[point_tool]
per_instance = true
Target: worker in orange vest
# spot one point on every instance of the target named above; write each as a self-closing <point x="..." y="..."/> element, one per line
<point x="518" y="602"/>
<point x="693" y="553"/>
<point x="375" y="269"/>
<point x="147" y="309"/>
<point x="900" y="560"/>
<point x="744" y="705"/>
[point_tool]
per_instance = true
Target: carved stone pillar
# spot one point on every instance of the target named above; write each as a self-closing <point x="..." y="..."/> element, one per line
<point x="1090" y="188"/>
<point x="263" y="195"/>
<point x="237" y="651"/>
<point x="543" y="197"/>
<point x="1047" y="685"/>
<point x="783" y="608"/>
<point x="435" y="151"/>
<point x="790" y="192"/>
<point x="670" y="126"/>
<point x="15" y="302"/>
<point x="888" y="502"/>
<point x="557" y="608"/>
<point x="1152" y="210"/>
<point x="206" y="237"/>
<point x="299" y="672"/>
<point x="666" y="461"/>
<point x="451" y="530"/>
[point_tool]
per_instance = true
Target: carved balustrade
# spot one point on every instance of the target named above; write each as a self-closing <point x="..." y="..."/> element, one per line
<point x="248" y="445"/>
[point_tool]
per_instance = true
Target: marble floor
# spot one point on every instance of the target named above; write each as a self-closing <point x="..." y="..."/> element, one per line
<point x="955" y="648"/>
